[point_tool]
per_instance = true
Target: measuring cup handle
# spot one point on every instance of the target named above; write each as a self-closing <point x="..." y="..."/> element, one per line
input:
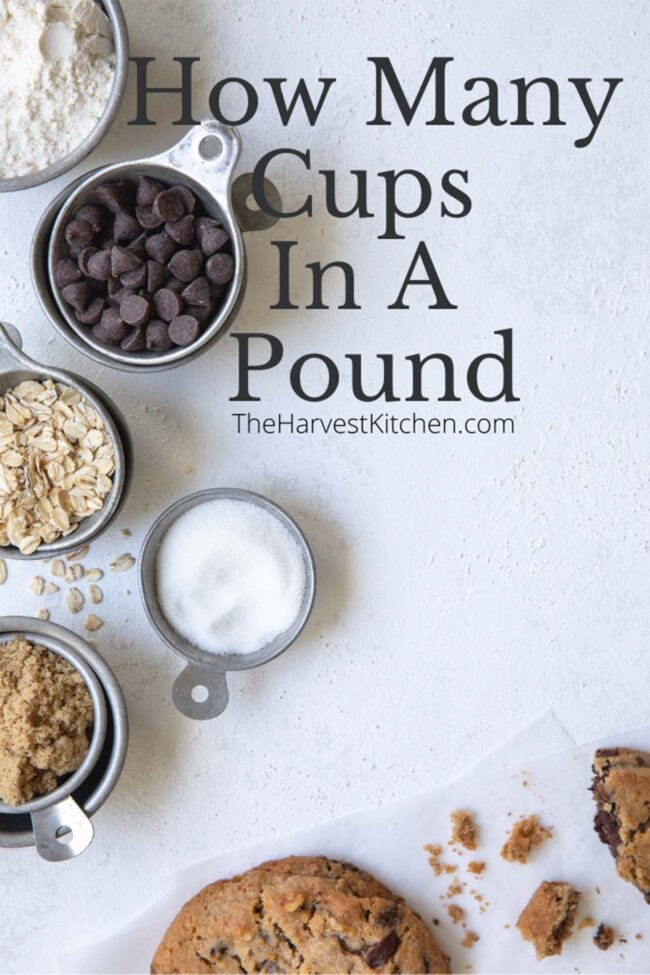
<point x="208" y="152"/>
<point x="62" y="831"/>
<point x="11" y="344"/>
<point x="193" y="677"/>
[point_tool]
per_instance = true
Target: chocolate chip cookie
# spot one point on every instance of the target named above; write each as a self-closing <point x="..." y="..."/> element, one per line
<point x="301" y="914"/>
<point x="621" y="789"/>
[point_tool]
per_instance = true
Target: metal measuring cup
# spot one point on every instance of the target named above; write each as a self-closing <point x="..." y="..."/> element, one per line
<point x="16" y="367"/>
<point x="61" y="828"/>
<point x="204" y="161"/>
<point x="203" y="669"/>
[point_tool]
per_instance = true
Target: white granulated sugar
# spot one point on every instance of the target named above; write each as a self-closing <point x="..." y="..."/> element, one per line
<point x="230" y="577"/>
<point x="57" y="65"/>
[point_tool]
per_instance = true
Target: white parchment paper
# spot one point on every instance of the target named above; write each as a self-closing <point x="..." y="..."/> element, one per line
<point x="540" y="770"/>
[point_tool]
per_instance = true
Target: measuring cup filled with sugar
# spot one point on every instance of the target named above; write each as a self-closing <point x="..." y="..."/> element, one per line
<point x="228" y="582"/>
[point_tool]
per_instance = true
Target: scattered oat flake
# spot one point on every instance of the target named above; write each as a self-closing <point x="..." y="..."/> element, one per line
<point x="93" y="622"/>
<point x="50" y="588"/>
<point x="37" y="585"/>
<point x="470" y="939"/>
<point x="57" y="568"/>
<point x="78" y="554"/>
<point x="525" y="835"/>
<point x="94" y="575"/>
<point x="122" y="563"/>
<point x="74" y="600"/>
<point x="477" y="867"/>
<point x="3" y="572"/>
<point x="95" y="595"/>
<point x="42" y="614"/>
<point x="463" y="829"/>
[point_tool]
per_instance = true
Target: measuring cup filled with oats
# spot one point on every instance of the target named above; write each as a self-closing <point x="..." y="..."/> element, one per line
<point x="63" y="457"/>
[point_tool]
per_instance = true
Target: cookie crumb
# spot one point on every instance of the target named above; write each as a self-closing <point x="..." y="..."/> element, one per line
<point x="604" y="937"/>
<point x="456" y="913"/>
<point x="438" y="867"/>
<point x="463" y="829"/>
<point x="548" y="918"/>
<point x="525" y="835"/>
<point x="470" y="939"/>
<point x="477" y="867"/>
<point x="587" y="922"/>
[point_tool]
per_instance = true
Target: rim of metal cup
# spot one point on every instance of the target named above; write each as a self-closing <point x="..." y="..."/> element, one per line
<point x="116" y="710"/>
<point x="221" y="662"/>
<point x="76" y="660"/>
<point x="14" y="362"/>
<point x="115" y="14"/>
<point x="209" y="177"/>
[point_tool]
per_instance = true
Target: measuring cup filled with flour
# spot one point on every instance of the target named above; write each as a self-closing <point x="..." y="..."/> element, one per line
<point x="228" y="582"/>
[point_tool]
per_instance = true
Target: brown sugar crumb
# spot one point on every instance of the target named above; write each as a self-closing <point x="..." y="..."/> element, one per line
<point x="46" y="715"/>
<point x="463" y="829"/>
<point x="548" y="918"/>
<point x="477" y="867"/>
<point x="470" y="939"/>
<point x="435" y="852"/>
<point x="587" y="922"/>
<point x="456" y="913"/>
<point x="604" y="937"/>
<point x="524" y="836"/>
<point x="454" y="890"/>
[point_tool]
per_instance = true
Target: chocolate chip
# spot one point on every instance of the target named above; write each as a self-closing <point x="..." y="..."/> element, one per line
<point x="182" y="231"/>
<point x="169" y="206"/>
<point x="82" y="260"/>
<point x="186" y="265"/>
<point x="113" y="285"/>
<point x="175" y="285"/>
<point x="381" y="952"/>
<point x="118" y="296"/>
<point x="92" y="313"/>
<point x="200" y="312"/>
<point x="94" y="215"/>
<point x="116" y="196"/>
<point x="123" y="260"/>
<point x="99" y="265"/>
<point x="138" y="246"/>
<point x="135" y="310"/>
<point x="168" y="304"/>
<point x="107" y="244"/>
<point x="78" y="294"/>
<point x="125" y="227"/>
<point x="137" y="278"/>
<point x="147" y="218"/>
<point x="156" y="275"/>
<point x="79" y="234"/>
<point x="161" y="247"/>
<point x="186" y="195"/>
<point x="136" y="340"/>
<point x="66" y="272"/>
<point x="148" y="190"/>
<point x="111" y="330"/>
<point x="184" y="330"/>
<point x="220" y="268"/>
<point x="211" y="236"/>
<point x="197" y="292"/>
<point x="157" y="337"/>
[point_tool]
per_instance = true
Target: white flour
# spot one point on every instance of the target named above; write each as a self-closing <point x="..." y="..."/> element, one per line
<point x="56" y="71"/>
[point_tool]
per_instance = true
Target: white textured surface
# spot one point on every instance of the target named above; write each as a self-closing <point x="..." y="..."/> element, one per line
<point x="464" y="583"/>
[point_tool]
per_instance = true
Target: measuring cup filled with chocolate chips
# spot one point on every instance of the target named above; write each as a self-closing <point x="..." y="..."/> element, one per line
<point x="142" y="265"/>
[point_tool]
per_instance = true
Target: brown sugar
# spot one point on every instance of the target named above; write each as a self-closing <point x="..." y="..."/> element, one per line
<point x="477" y="867"/>
<point x="604" y="937"/>
<point x="463" y="829"/>
<point x="46" y="715"/>
<point x="525" y="835"/>
<point x="548" y="918"/>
